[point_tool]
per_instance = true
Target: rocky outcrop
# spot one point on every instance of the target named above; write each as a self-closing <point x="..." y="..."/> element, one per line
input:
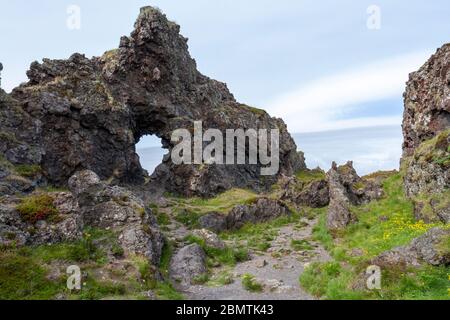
<point x="91" y="203"/>
<point x="432" y="248"/>
<point x="312" y="193"/>
<point x="15" y="230"/>
<point x="85" y="113"/>
<point x="427" y="101"/>
<point x="213" y="221"/>
<point x="264" y="209"/>
<point x="187" y="264"/>
<point x="426" y="130"/>
<point x="116" y="208"/>
<point x="347" y="189"/>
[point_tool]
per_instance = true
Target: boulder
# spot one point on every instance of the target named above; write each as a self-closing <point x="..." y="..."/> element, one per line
<point x="211" y="239"/>
<point x="213" y="221"/>
<point x="187" y="264"/>
<point x="264" y="209"/>
<point x="432" y="248"/>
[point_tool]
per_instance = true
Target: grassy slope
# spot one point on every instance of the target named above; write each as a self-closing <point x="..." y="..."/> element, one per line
<point x="36" y="273"/>
<point x="382" y="225"/>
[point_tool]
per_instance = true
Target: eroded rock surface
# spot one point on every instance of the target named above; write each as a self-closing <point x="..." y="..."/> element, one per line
<point x="347" y="189"/>
<point x="85" y="113"/>
<point x="117" y="208"/>
<point x="262" y="210"/>
<point x="187" y="264"/>
<point x="426" y="130"/>
<point x="432" y="248"/>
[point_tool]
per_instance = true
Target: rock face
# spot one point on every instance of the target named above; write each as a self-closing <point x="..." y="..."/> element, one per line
<point x="89" y="113"/>
<point x="427" y="101"/>
<point x="213" y="221"/>
<point x="314" y="194"/>
<point x="114" y="207"/>
<point x="14" y="230"/>
<point x="346" y="189"/>
<point x="187" y="264"/>
<point x="91" y="203"/>
<point x="432" y="248"/>
<point x="262" y="210"/>
<point x="426" y="130"/>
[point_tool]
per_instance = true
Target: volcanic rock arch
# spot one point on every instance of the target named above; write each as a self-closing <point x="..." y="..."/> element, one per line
<point x="89" y="113"/>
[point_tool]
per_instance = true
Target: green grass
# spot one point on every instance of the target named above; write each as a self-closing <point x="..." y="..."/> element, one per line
<point x="162" y="218"/>
<point x="28" y="171"/>
<point x="220" y="257"/>
<point x="38" y="207"/>
<point x="301" y="245"/>
<point x="382" y="225"/>
<point x="307" y="176"/>
<point x="166" y="255"/>
<point x="258" y="237"/>
<point x="251" y="284"/>
<point x="222" y="203"/>
<point x="223" y="278"/>
<point x="22" y="277"/>
<point x="188" y="217"/>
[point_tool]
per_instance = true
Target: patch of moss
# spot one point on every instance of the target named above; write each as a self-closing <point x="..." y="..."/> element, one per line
<point x="38" y="207"/>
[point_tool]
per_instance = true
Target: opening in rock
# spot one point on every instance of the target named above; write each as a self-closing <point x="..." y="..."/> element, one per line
<point x="151" y="152"/>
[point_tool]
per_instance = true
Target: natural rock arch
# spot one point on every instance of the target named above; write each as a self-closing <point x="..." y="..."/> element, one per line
<point x="89" y="113"/>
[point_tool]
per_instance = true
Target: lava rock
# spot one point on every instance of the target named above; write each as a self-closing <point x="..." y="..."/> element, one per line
<point x="187" y="264"/>
<point x="431" y="248"/>
<point x="262" y="210"/>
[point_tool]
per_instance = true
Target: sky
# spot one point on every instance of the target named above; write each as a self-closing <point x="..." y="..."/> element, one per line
<point x="320" y="65"/>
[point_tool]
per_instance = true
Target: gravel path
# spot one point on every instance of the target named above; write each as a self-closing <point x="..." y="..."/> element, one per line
<point x="278" y="270"/>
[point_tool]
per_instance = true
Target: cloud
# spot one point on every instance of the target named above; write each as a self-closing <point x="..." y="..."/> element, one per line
<point x="317" y="106"/>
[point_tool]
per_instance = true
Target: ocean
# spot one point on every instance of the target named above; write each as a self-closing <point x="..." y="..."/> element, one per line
<point x="370" y="149"/>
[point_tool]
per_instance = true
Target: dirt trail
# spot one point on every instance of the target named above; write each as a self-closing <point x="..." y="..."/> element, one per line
<point x="278" y="270"/>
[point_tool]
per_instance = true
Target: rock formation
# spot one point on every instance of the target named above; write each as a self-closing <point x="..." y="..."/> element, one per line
<point x="346" y="189"/>
<point x="426" y="130"/>
<point x="187" y="264"/>
<point x="91" y="203"/>
<point x="431" y="248"/>
<point x="85" y="113"/>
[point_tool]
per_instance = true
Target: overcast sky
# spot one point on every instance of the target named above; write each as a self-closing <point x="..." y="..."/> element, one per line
<point x="314" y="63"/>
